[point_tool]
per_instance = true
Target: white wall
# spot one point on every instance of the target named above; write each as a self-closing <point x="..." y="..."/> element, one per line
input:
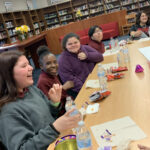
<point x="2" y="7"/>
<point x="17" y="5"/>
<point x="41" y="3"/>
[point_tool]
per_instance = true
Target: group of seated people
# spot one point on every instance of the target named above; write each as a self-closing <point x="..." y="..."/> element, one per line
<point x="31" y="117"/>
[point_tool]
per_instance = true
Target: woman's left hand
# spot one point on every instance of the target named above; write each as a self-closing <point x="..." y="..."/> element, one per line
<point x="55" y="93"/>
<point x="82" y="56"/>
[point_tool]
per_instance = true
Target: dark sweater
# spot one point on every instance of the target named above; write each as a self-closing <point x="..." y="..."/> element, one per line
<point x="76" y="70"/>
<point x="24" y="124"/>
<point x="46" y="82"/>
<point x="99" y="46"/>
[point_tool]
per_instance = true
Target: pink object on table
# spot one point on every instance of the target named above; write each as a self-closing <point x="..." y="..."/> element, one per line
<point x="139" y="69"/>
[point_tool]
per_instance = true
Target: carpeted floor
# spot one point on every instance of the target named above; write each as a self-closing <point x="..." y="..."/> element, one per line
<point x="36" y="72"/>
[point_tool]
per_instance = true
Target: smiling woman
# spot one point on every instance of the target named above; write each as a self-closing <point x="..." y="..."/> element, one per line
<point x="140" y="29"/>
<point x="26" y="110"/>
<point x="49" y="75"/>
<point x="77" y="61"/>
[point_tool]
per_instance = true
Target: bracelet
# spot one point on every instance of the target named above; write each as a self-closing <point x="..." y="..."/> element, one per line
<point x="52" y="126"/>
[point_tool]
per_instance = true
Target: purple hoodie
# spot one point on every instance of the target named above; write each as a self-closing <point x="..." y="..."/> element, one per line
<point x="73" y="69"/>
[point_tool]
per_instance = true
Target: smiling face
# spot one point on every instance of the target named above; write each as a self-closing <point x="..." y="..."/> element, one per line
<point x="143" y="18"/>
<point x="73" y="45"/>
<point x="97" y="35"/>
<point x="49" y="64"/>
<point x="22" y="73"/>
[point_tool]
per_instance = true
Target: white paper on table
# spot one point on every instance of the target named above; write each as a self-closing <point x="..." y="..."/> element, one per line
<point x="108" y="66"/>
<point x="110" y="52"/>
<point x="123" y="129"/>
<point x="93" y="108"/>
<point x="143" y="39"/>
<point x="146" y="52"/>
<point x="92" y="84"/>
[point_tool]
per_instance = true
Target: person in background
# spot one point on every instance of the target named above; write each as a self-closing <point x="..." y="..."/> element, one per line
<point x="141" y="147"/>
<point x="141" y="27"/>
<point x="49" y="76"/>
<point x="28" y="119"/>
<point x="76" y="61"/>
<point x="96" y="35"/>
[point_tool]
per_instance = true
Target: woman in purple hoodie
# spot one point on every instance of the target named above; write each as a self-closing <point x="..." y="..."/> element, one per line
<point x="76" y="61"/>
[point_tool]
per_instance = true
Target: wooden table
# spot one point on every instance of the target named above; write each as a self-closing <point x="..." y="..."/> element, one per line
<point x="130" y="96"/>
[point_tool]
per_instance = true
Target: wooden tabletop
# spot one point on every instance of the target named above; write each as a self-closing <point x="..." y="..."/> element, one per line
<point x="130" y="96"/>
<point x="23" y="43"/>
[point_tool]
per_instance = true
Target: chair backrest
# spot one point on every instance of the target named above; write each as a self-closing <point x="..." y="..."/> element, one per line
<point x="130" y="18"/>
<point x="2" y="146"/>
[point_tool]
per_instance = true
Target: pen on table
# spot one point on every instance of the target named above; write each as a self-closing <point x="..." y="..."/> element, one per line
<point x="108" y="132"/>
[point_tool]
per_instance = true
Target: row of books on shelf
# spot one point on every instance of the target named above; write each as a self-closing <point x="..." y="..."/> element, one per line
<point x="98" y="9"/>
<point x="67" y="17"/>
<point x="145" y="4"/>
<point x="95" y="4"/>
<point x="83" y="7"/>
<point x="111" y="6"/>
<point x="9" y="24"/>
<point x="3" y="35"/>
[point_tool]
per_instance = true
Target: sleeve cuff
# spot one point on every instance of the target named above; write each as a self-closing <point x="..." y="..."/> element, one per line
<point x="51" y="125"/>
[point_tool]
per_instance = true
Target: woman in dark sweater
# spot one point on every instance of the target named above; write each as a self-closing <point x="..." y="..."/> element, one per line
<point x="28" y="120"/>
<point x="96" y="36"/>
<point x="49" y="76"/>
<point x="140" y="29"/>
<point x="76" y="61"/>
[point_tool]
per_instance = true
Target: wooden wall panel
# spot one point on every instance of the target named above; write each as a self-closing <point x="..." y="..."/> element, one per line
<point x="54" y="34"/>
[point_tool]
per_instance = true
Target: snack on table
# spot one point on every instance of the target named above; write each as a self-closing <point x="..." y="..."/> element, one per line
<point x="99" y="95"/>
<point x="119" y="69"/>
<point x="111" y="77"/>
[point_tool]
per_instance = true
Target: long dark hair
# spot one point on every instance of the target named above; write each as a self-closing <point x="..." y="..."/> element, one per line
<point x="68" y="36"/>
<point x="8" y="88"/>
<point x="138" y="18"/>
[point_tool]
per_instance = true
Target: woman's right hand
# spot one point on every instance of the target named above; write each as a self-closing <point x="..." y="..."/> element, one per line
<point x="141" y="147"/>
<point x="138" y="33"/>
<point x="66" y="121"/>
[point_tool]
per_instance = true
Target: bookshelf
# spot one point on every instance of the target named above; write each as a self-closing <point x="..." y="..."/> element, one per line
<point x="3" y="31"/>
<point x="42" y="21"/>
<point x="65" y="13"/>
<point x="82" y="6"/>
<point x="112" y="6"/>
<point x="96" y="7"/>
<point x="51" y="16"/>
<point x="61" y="14"/>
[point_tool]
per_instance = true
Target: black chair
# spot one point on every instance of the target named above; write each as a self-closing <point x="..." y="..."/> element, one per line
<point x="2" y="147"/>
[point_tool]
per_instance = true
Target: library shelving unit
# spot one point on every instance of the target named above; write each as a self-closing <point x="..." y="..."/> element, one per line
<point x="82" y="6"/>
<point x="96" y="7"/>
<point x="144" y="5"/>
<point x="35" y="21"/>
<point x="28" y="19"/>
<point x="65" y="13"/>
<point x="10" y="27"/>
<point x="51" y="16"/>
<point x="4" y="38"/>
<point x="112" y="6"/>
<point x="42" y="21"/>
<point x="61" y="14"/>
